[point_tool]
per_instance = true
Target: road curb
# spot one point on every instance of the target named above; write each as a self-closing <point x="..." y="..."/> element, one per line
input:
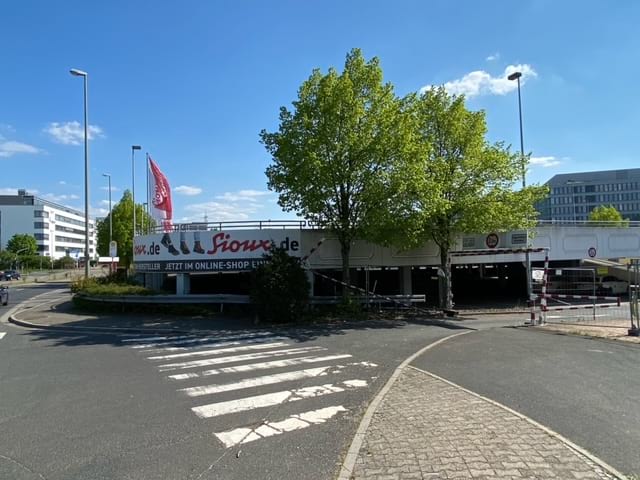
<point x="352" y="454"/>
<point x="568" y="443"/>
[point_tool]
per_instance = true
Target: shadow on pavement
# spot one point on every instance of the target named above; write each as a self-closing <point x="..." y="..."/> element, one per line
<point x="72" y="328"/>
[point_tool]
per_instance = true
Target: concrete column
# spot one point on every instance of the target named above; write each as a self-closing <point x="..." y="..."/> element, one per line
<point x="153" y="280"/>
<point x="405" y="281"/>
<point x="311" y="278"/>
<point x="183" y="284"/>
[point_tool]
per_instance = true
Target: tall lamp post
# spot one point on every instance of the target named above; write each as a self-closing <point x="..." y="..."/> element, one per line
<point x="516" y="76"/>
<point x="85" y="76"/>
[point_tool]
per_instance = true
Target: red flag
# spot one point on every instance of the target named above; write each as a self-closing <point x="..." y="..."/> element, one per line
<point x="160" y="191"/>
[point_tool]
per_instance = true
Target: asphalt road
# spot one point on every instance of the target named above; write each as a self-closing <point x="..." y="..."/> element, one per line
<point x="587" y="390"/>
<point x="85" y="405"/>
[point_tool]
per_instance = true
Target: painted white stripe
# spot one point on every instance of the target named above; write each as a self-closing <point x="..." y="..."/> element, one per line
<point x="153" y="339"/>
<point x="287" y="362"/>
<point x="271" y="399"/>
<point x="189" y="340"/>
<point x="216" y="351"/>
<point x="2" y="334"/>
<point x="237" y="358"/>
<point x="238" y="436"/>
<point x="255" y="382"/>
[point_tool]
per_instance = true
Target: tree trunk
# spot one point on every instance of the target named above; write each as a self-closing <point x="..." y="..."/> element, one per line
<point x="446" y="296"/>
<point x="345" y="249"/>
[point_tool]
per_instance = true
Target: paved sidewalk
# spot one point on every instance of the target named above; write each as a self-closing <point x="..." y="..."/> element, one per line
<point x="426" y="428"/>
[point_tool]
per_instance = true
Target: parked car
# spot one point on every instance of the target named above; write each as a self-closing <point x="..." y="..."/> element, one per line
<point x="11" y="275"/>
<point x="4" y="295"/>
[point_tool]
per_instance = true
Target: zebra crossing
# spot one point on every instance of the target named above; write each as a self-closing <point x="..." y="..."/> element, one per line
<point x="221" y="374"/>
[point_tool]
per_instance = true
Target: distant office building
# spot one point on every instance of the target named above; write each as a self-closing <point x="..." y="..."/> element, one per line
<point x="572" y="196"/>
<point x="58" y="230"/>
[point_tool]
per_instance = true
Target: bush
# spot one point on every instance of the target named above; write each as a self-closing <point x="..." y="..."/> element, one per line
<point x="107" y="286"/>
<point x="280" y="288"/>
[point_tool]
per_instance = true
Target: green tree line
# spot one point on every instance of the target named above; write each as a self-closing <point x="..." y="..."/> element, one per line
<point x="365" y="163"/>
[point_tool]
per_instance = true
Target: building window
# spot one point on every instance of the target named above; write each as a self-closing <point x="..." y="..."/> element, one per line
<point x="40" y="214"/>
<point x="41" y="236"/>
<point x="41" y="225"/>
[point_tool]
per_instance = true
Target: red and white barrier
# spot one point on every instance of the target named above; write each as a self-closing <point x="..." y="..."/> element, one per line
<point x="578" y="297"/>
<point x="580" y="307"/>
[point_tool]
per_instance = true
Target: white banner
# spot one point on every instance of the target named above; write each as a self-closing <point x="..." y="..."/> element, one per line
<point x="214" y="245"/>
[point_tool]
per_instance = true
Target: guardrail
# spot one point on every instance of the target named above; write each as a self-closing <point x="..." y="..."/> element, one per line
<point x="235" y="299"/>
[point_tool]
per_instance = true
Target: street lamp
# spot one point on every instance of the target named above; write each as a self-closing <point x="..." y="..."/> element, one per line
<point x="133" y="184"/>
<point x="17" y="254"/>
<point x="85" y="76"/>
<point x="516" y="76"/>
<point x="108" y="175"/>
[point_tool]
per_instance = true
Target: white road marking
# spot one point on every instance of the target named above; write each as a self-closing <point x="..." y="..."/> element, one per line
<point x="238" y="436"/>
<point x="215" y="351"/>
<point x="2" y="334"/>
<point x="287" y="362"/>
<point x="256" y="382"/>
<point x="236" y="358"/>
<point x="271" y="399"/>
<point x="190" y="339"/>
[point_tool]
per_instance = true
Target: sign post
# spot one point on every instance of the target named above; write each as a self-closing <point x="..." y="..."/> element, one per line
<point x="113" y="252"/>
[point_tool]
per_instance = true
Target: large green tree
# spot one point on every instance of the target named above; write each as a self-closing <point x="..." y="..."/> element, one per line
<point x="608" y="216"/>
<point x="343" y="152"/>
<point x="23" y="244"/>
<point x="467" y="185"/>
<point x="122" y="215"/>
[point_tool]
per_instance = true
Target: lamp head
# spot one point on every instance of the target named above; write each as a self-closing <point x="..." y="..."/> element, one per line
<point x="136" y="147"/>
<point x="78" y="73"/>
<point x="515" y="75"/>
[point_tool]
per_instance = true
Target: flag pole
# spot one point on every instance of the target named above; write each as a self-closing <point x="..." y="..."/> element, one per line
<point x="148" y="200"/>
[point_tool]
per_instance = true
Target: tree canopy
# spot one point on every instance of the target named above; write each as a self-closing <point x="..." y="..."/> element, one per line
<point x="343" y="150"/>
<point x="472" y="179"/>
<point x="607" y="215"/>
<point x="354" y="158"/>
<point x="122" y="214"/>
<point x="23" y="244"/>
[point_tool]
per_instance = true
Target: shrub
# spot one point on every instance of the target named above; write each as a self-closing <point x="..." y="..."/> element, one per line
<point x="279" y="287"/>
<point x="106" y="286"/>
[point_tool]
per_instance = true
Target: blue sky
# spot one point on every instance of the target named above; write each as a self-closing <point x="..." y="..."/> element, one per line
<point x="194" y="82"/>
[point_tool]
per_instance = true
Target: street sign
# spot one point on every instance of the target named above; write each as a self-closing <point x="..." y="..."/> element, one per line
<point x="113" y="248"/>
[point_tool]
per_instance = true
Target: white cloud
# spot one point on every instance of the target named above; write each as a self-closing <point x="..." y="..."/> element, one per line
<point x="10" y="148"/>
<point x="220" y="212"/>
<point x="59" y="198"/>
<point x="240" y="205"/>
<point x="544" y="161"/>
<point x="5" y="127"/>
<point x="72" y="133"/>
<point x="243" y="195"/>
<point x="480" y="82"/>
<point x="493" y="56"/>
<point x="113" y="188"/>
<point x="62" y="182"/>
<point x="188" y="190"/>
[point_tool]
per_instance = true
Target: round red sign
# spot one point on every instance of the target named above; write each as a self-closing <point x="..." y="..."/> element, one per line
<point x="492" y="240"/>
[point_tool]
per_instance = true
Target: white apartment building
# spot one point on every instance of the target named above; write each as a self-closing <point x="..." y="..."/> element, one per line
<point x="58" y="230"/>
